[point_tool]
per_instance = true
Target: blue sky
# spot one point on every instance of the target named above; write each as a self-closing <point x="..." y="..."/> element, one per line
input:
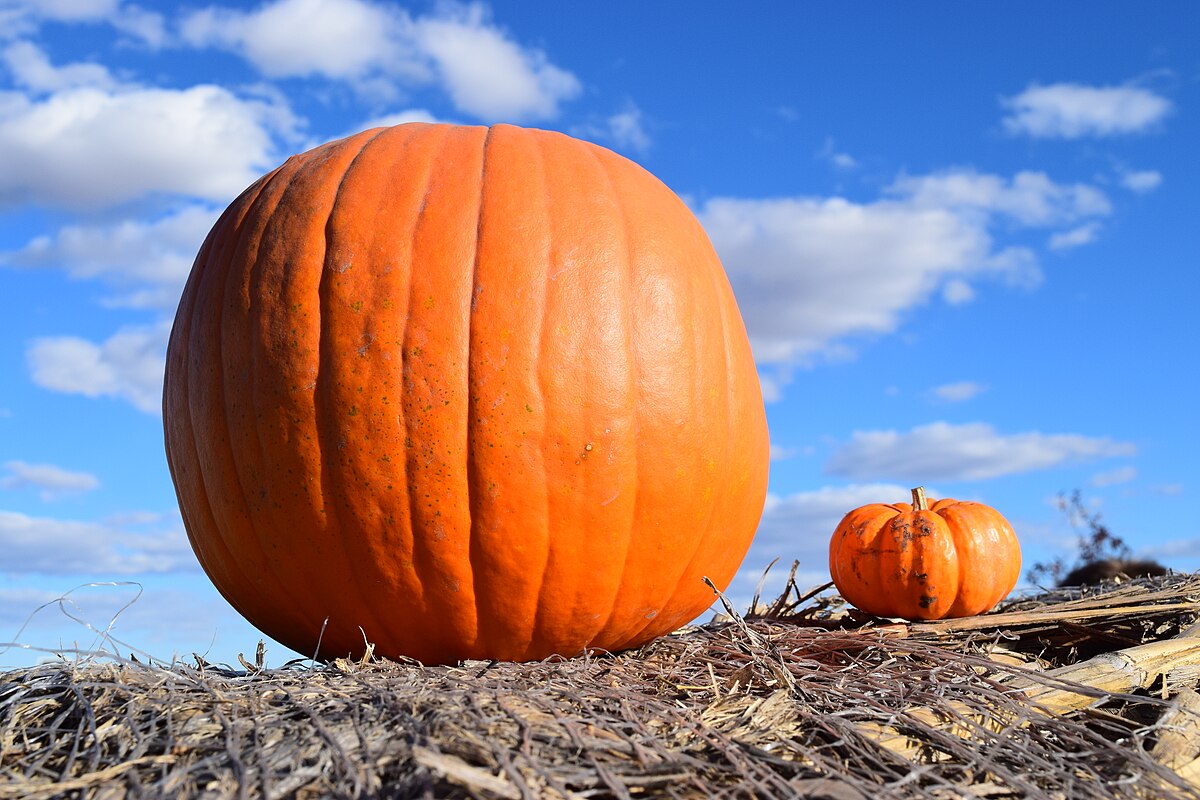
<point x="963" y="237"/>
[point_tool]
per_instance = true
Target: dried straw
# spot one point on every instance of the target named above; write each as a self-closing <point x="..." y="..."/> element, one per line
<point x="1064" y="695"/>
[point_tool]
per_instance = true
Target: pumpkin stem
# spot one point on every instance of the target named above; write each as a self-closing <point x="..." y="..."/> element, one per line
<point x="920" y="502"/>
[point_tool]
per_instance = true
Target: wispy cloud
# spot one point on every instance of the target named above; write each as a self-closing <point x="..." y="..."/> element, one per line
<point x="128" y="365"/>
<point x="1114" y="477"/>
<point x="972" y="451"/>
<point x="70" y="547"/>
<point x="1073" y="111"/>
<point x="781" y="453"/>
<point x="627" y="129"/>
<point x="24" y="17"/>
<point x="1141" y="181"/>
<point x="958" y="392"/>
<point x="624" y="130"/>
<point x="51" y="481"/>
<point x="146" y="260"/>
<point x="1029" y="198"/>
<point x="1075" y="237"/>
<point x="31" y="69"/>
<point x="837" y="158"/>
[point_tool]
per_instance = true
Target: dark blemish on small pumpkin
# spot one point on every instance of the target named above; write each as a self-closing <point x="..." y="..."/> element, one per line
<point x="927" y="600"/>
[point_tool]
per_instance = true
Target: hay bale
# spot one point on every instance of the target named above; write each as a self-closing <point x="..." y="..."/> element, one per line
<point x="1074" y="693"/>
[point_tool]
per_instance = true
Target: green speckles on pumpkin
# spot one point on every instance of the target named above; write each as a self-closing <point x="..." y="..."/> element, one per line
<point x="357" y="305"/>
<point x="529" y="408"/>
<point x="353" y="412"/>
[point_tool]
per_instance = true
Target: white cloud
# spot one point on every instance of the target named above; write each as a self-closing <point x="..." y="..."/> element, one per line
<point x="148" y="26"/>
<point x="398" y="118"/>
<point x="1029" y="198"/>
<point x="1072" y="111"/>
<point x="958" y="392"/>
<point x="16" y="606"/>
<point x="957" y="292"/>
<point x="841" y="160"/>
<point x="1076" y="237"/>
<point x="487" y="74"/>
<point x="21" y="17"/>
<point x="781" y="453"/>
<point x="31" y="69"/>
<point x="1141" y="181"/>
<point x="52" y="481"/>
<point x="58" y="546"/>
<point x="148" y="261"/>
<point x="383" y="49"/>
<point x="128" y="365"/>
<point x="772" y="386"/>
<point x="88" y="148"/>
<point x="972" y="451"/>
<point x="626" y="129"/>
<point x="340" y="39"/>
<point x="808" y="271"/>
<point x="1114" y="476"/>
<point x="71" y="10"/>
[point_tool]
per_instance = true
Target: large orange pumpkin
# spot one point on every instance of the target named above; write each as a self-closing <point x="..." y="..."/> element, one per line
<point x="463" y="392"/>
<point x="923" y="561"/>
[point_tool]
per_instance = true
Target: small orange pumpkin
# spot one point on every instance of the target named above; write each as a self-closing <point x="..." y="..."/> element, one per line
<point x="924" y="561"/>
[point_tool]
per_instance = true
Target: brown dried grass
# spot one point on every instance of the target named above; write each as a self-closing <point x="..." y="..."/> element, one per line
<point x="1069" y="694"/>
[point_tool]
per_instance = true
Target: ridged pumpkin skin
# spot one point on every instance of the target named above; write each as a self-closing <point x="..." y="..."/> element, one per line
<point x="919" y="561"/>
<point x="463" y="392"/>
